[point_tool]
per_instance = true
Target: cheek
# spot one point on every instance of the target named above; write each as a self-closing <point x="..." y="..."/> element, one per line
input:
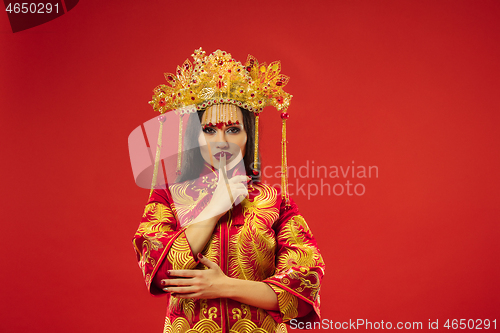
<point x="204" y="148"/>
<point x="242" y="142"/>
<point x="201" y="139"/>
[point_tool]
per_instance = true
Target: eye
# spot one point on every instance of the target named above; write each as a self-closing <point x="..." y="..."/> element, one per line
<point x="233" y="130"/>
<point x="209" y="130"/>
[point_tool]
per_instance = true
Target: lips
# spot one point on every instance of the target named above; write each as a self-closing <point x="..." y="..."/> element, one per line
<point x="219" y="155"/>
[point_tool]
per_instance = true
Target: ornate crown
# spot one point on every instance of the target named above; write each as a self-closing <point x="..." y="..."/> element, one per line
<point x="218" y="78"/>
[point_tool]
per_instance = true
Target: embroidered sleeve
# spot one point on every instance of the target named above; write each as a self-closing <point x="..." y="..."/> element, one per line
<point x="180" y="255"/>
<point x="299" y="267"/>
<point x="288" y="303"/>
<point x="159" y="237"/>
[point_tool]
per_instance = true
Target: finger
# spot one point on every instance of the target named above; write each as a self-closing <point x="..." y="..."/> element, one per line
<point x="244" y="193"/>
<point x="183" y="272"/>
<point x="241" y="197"/>
<point x="239" y="179"/>
<point x="223" y="174"/>
<point x="207" y="262"/>
<point x="180" y="290"/>
<point x="239" y="189"/>
<point x="222" y="167"/>
<point x="238" y="186"/>
<point x="177" y="282"/>
<point x="192" y="295"/>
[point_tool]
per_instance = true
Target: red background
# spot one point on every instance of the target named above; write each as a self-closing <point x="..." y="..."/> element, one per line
<point x="409" y="86"/>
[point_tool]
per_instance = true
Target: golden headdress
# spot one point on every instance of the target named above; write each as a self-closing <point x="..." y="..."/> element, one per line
<point x="219" y="79"/>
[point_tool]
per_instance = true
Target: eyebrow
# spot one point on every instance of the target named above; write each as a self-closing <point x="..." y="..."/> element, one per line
<point x="215" y="126"/>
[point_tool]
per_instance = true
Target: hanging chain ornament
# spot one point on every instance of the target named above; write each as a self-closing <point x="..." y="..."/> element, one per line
<point x="256" y="147"/>
<point x="161" y="119"/>
<point x="284" y="167"/>
<point x="179" y="148"/>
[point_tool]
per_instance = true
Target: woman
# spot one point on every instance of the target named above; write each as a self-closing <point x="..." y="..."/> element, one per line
<point x="232" y="255"/>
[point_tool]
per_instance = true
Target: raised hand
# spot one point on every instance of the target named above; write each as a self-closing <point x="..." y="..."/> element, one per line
<point x="226" y="193"/>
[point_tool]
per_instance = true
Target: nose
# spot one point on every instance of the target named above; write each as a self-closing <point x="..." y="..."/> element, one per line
<point x="221" y="140"/>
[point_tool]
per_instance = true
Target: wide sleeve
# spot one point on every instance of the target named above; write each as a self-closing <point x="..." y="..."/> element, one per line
<point x="299" y="268"/>
<point x="160" y="243"/>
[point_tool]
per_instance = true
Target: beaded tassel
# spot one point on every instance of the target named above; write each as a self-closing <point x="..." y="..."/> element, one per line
<point x="179" y="148"/>
<point x="219" y="115"/>
<point x="284" y="171"/>
<point x="161" y="119"/>
<point x="256" y="147"/>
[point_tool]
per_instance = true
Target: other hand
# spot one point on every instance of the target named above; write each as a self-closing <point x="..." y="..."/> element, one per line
<point x="194" y="283"/>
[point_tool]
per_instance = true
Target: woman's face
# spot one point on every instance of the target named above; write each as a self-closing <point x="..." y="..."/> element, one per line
<point x="229" y="140"/>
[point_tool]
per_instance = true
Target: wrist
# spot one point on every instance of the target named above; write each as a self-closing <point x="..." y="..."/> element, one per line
<point x="208" y="216"/>
<point x="212" y="212"/>
<point x="229" y="288"/>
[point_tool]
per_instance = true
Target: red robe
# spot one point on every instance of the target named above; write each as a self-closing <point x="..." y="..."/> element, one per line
<point x="260" y="239"/>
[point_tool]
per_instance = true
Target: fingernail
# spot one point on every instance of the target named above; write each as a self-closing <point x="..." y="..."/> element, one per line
<point x="168" y="273"/>
<point x="200" y="256"/>
<point x="162" y="282"/>
<point x="165" y="289"/>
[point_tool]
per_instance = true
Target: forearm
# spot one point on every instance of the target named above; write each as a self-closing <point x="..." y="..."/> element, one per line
<point x="199" y="233"/>
<point x="253" y="293"/>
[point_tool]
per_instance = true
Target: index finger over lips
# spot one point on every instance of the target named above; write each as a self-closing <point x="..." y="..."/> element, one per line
<point x="222" y="168"/>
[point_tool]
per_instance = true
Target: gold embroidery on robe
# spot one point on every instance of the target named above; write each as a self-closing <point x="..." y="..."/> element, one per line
<point x="264" y="241"/>
<point x="300" y="253"/>
<point x="251" y="251"/>
<point x="287" y="302"/>
<point x="151" y="232"/>
<point x="207" y="325"/>
<point x="180" y="254"/>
